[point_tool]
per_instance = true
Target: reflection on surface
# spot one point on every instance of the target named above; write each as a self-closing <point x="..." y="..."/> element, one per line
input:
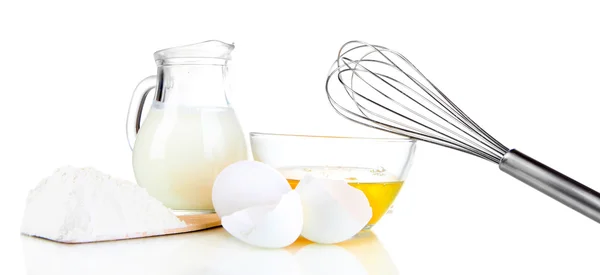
<point x="206" y="252"/>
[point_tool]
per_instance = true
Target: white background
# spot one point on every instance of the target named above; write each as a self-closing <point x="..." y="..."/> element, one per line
<point x="526" y="71"/>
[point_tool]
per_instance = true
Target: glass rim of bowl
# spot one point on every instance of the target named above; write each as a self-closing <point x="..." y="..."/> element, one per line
<point x="396" y="139"/>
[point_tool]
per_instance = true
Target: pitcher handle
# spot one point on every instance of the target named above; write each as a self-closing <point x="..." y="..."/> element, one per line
<point x="136" y="105"/>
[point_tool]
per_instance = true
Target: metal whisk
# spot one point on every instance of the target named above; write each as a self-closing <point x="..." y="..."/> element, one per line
<point x="380" y="88"/>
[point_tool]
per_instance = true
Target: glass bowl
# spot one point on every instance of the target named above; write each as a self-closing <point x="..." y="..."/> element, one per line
<point x="376" y="166"/>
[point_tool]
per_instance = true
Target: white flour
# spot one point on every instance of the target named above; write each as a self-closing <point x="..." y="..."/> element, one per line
<point x="83" y="204"/>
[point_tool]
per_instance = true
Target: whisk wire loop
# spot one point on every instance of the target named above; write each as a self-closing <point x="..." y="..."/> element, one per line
<point x="423" y="112"/>
<point x="440" y="110"/>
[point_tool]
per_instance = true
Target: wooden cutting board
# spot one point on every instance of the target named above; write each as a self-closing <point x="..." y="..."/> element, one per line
<point x="194" y="223"/>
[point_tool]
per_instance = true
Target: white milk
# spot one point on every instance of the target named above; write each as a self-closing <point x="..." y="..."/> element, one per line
<point x="180" y="150"/>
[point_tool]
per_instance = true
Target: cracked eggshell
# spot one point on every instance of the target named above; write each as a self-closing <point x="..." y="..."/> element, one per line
<point x="333" y="210"/>
<point x="268" y="226"/>
<point x="247" y="184"/>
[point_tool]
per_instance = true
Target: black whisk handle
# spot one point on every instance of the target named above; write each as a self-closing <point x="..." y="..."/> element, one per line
<point x="552" y="183"/>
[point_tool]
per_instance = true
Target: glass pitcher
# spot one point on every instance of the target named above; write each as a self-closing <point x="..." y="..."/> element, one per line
<point x="191" y="132"/>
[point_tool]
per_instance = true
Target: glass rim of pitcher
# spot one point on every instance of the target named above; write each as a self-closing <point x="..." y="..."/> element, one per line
<point x="210" y="50"/>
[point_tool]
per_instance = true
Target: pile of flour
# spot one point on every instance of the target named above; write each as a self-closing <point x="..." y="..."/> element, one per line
<point x="83" y="204"/>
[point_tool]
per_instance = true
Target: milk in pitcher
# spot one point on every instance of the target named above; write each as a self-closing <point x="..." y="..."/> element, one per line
<point x="179" y="151"/>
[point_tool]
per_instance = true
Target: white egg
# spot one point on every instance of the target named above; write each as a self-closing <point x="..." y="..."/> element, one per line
<point x="246" y="184"/>
<point x="333" y="210"/>
<point x="268" y="226"/>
